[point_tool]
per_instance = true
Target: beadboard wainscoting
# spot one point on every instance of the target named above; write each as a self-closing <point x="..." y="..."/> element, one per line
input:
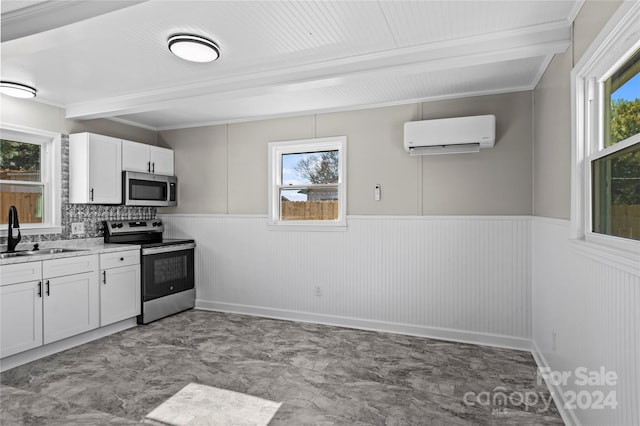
<point x="459" y="277"/>
<point x="585" y="315"/>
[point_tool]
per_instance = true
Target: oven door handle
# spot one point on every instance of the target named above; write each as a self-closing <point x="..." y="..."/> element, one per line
<point x="168" y="249"/>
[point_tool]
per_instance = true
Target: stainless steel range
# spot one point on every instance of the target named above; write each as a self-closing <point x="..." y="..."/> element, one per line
<point x="168" y="284"/>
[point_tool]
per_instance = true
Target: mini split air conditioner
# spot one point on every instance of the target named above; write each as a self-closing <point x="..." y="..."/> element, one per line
<point x="450" y="135"/>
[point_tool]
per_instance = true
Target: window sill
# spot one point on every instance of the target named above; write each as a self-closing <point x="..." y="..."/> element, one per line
<point x="626" y="259"/>
<point x="308" y="227"/>
<point x="33" y="230"/>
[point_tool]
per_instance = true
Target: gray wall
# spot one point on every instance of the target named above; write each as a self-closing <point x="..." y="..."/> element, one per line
<point x="200" y="162"/>
<point x="37" y="115"/>
<point x="552" y="115"/>
<point x="223" y="169"/>
<point x="494" y="181"/>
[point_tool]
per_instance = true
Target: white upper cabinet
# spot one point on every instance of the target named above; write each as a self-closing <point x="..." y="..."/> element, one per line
<point x="161" y="160"/>
<point x="135" y="157"/>
<point x="95" y="169"/>
<point x="140" y="157"/>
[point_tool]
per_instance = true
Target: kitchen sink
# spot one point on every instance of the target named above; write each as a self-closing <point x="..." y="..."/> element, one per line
<point x="38" y="252"/>
<point x="50" y="251"/>
<point x="9" y="255"/>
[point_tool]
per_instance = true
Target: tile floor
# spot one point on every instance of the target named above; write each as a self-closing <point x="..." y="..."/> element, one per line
<point x="323" y="375"/>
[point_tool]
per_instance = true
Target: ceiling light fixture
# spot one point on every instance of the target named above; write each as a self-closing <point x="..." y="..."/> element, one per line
<point x="194" y="48"/>
<point x="17" y="90"/>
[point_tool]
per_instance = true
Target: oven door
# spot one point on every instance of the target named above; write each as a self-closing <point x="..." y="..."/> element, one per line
<point x="167" y="270"/>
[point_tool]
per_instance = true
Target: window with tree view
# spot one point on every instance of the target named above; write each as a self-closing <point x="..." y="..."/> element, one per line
<point x="615" y="168"/>
<point x="309" y="186"/>
<point x="21" y="180"/>
<point x="307" y="181"/>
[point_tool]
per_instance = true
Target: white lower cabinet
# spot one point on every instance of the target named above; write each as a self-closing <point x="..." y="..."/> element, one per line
<point x="119" y="286"/>
<point x="70" y="306"/>
<point x="70" y="297"/>
<point x="20" y="317"/>
<point x="45" y="301"/>
<point x="62" y="301"/>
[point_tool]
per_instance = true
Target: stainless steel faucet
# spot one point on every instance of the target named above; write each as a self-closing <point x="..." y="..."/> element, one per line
<point x="12" y="241"/>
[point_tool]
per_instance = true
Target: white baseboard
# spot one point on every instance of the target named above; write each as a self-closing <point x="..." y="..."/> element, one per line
<point x="568" y="416"/>
<point x="62" y="345"/>
<point x="373" y="325"/>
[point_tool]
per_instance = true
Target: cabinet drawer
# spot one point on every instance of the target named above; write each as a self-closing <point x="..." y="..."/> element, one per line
<point x="119" y="258"/>
<point x="20" y="272"/>
<point x="69" y="266"/>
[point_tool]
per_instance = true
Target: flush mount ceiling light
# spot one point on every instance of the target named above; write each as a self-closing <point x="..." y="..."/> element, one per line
<point x="194" y="48"/>
<point x="17" y="90"/>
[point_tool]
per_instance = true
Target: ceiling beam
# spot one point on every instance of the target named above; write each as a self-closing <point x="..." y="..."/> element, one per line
<point x="48" y="15"/>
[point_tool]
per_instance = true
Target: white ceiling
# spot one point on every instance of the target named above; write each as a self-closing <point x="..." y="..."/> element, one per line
<point x="109" y="59"/>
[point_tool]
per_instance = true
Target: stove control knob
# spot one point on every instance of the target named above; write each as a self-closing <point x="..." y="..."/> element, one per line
<point x="114" y="225"/>
<point x="157" y="223"/>
<point x="119" y="225"/>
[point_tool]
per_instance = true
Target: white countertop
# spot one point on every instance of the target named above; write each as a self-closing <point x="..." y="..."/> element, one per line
<point x="87" y="246"/>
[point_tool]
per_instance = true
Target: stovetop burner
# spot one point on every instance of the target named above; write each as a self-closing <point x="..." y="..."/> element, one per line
<point x="147" y="233"/>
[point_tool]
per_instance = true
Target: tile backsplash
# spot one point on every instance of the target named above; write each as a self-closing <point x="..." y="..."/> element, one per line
<point x="91" y="215"/>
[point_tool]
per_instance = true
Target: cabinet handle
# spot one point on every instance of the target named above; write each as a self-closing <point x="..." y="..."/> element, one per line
<point x="122" y="259"/>
<point x="91" y="196"/>
<point x="48" y="292"/>
<point x="104" y="277"/>
<point x="149" y="166"/>
<point x="39" y="288"/>
<point x="153" y="165"/>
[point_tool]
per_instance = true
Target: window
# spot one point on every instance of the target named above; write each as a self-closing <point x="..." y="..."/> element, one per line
<point x="307" y="183"/>
<point x="606" y="174"/>
<point x="615" y="167"/>
<point x="30" y="178"/>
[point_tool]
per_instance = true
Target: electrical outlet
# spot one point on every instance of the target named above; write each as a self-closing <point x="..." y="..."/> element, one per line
<point x="318" y="291"/>
<point x="77" y="228"/>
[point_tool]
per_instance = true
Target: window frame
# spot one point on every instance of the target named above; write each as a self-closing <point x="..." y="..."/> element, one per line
<point x="51" y="177"/>
<point x="275" y="152"/>
<point x="616" y="43"/>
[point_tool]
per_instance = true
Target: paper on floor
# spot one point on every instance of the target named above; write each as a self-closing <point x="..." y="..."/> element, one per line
<point x="200" y="405"/>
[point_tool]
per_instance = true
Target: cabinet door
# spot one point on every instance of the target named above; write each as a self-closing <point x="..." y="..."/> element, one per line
<point x="71" y="305"/>
<point x="161" y="160"/>
<point x="105" y="170"/>
<point x="20" y="317"/>
<point x="135" y="157"/>
<point x="119" y="294"/>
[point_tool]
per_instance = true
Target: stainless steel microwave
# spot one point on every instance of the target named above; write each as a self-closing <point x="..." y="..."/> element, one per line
<point x="146" y="189"/>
